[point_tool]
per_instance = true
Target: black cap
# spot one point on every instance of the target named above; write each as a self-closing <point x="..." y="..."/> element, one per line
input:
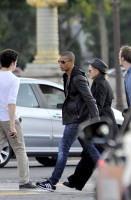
<point x="99" y="64"/>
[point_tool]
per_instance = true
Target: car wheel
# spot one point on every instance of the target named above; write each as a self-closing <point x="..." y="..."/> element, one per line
<point x="47" y="161"/>
<point x="5" y="154"/>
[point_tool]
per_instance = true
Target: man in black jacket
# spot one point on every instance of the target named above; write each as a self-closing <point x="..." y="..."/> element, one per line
<point x="102" y="92"/>
<point x="79" y="105"/>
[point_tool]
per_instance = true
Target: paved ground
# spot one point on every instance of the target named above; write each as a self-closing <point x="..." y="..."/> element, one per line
<point x="9" y="187"/>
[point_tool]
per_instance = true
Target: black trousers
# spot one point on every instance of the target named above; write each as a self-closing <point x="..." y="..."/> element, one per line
<point x="83" y="171"/>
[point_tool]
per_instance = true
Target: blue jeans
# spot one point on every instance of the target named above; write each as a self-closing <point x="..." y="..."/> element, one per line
<point x="69" y="136"/>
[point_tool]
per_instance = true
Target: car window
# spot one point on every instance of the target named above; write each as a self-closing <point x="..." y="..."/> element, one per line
<point x="53" y="96"/>
<point x="26" y="97"/>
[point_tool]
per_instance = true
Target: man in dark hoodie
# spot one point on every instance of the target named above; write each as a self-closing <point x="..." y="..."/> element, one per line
<point x="79" y="105"/>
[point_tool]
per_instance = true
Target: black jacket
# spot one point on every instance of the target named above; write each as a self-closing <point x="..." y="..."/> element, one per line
<point x="102" y="92"/>
<point x="79" y="103"/>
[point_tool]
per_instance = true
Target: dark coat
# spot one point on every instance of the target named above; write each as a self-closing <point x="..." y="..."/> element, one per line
<point x="102" y="92"/>
<point x="79" y="103"/>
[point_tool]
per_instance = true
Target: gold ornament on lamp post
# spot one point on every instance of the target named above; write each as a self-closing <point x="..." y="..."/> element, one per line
<point x="46" y="3"/>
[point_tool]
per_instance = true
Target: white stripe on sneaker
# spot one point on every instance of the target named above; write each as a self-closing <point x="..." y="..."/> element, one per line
<point x="48" y="185"/>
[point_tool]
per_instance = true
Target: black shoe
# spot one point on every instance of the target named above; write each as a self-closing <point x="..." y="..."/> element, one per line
<point x="28" y="185"/>
<point x="78" y="188"/>
<point x="46" y="185"/>
<point x="68" y="184"/>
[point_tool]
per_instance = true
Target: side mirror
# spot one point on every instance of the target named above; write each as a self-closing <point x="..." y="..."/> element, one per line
<point x="125" y="112"/>
<point x="127" y="120"/>
<point x="99" y="131"/>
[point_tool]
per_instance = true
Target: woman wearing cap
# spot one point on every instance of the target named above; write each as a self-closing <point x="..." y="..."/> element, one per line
<point x="101" y="89"/>
<point x="103" y="94"/>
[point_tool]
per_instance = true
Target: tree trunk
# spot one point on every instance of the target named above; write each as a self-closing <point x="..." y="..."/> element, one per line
<point x="103" y="31"/>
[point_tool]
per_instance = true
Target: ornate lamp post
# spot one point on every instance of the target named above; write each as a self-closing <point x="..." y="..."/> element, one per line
<point x="116" y="32"/>
<point x="47" y="38"/>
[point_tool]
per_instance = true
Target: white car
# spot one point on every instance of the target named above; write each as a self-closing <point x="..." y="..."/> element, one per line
<point x="39" y="106"/>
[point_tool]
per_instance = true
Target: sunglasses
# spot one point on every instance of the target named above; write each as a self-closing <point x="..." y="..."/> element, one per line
<point x="62" y="61"/>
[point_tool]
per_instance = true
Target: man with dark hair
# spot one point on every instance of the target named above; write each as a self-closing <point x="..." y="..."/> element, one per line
<point x="125" y="61"/>
<point x="10" y="128"/>
<point x="79" y="105"/>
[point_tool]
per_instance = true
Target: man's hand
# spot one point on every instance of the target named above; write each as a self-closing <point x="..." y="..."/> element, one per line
<point x="12" y="132"/>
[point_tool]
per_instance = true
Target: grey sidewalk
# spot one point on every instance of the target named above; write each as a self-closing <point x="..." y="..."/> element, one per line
<point x="6" y="186"/>
<point x="9" y="186"/>
<point x="10" y="191"/>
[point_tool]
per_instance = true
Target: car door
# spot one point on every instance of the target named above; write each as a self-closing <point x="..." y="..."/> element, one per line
<point x="54" y="98"/>
<point x="36" y="121"/>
